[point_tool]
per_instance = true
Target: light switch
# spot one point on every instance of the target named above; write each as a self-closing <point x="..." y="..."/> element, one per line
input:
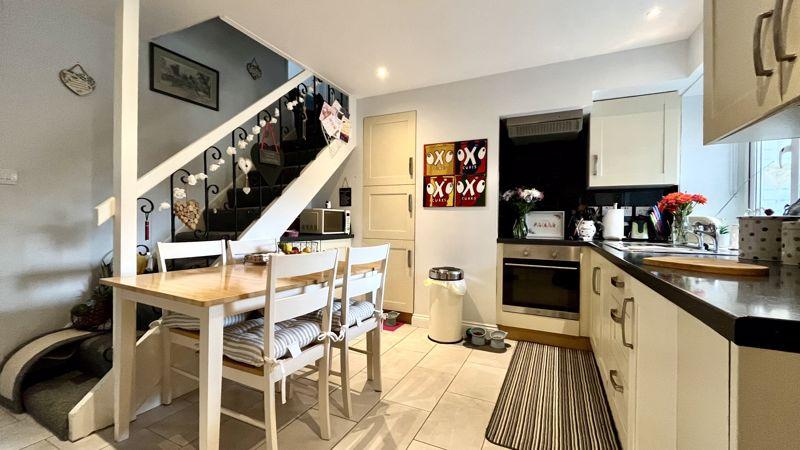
<point x="8" y="176"/>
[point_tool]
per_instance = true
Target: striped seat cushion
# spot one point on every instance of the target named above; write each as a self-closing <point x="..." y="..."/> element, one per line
<point x="358" y="312"/>
<point x="244" y="342"/>
<point x="177" y="320"/>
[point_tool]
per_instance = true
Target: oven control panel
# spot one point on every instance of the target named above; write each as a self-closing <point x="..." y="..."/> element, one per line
<point x="543" y="252"/>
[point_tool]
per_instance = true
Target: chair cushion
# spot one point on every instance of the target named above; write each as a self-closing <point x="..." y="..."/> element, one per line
<point x="244" y="342"/>
<point x="177" y="320"/>
<point x="358" y="311"/>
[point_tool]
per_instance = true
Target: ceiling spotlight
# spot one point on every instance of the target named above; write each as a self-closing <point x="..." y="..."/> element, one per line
<point x="381" y="72"/>
<point x="653" y="13"/>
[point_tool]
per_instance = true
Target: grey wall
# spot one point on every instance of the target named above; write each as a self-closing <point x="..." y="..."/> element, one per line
<point x="61" y="145"/>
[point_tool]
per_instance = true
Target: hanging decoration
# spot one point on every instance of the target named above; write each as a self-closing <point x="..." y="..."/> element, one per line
<point x="455" y="174"/>
<point x="267" y="158"/>
<point x="345" y="194"/>
<point x="254" y="69"/>
<point x="245" y="165"/>
<point x="188" y="212"/>
<point x="77" y="80"/>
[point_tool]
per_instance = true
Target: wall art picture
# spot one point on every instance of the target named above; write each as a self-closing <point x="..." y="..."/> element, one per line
<point x="439" y="191"/>
<point x="545" y="224"/>
<point x="183" y="78"/>
<point x="463" y="163"/>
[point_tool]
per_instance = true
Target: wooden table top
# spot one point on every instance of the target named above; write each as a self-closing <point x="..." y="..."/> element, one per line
<point x="209" y="286"/>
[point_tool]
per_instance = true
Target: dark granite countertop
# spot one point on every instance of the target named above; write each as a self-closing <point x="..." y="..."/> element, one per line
<point x="762" y="312"/>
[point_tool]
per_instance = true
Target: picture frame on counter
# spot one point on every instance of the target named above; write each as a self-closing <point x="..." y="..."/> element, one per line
<point x="545" y="224"/>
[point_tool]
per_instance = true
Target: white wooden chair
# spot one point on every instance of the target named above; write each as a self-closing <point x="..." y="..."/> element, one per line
<point x="238" y="249"/>
<point x="355" y="286"/>
<point x="179" y="250"/>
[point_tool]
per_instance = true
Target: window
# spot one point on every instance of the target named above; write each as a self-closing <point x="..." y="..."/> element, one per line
<point x="774" y="175"/>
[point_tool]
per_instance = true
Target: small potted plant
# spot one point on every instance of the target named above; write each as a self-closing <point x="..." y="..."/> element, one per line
<point x="523" y="200"/>
<point x="723" y="238"/>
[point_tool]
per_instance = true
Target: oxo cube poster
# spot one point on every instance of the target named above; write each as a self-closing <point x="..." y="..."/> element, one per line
<point x="455" y="174"/>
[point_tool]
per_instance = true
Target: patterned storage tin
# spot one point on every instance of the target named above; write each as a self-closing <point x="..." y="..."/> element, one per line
<point x="760" y="237"/>
<point x="790" y="243"/>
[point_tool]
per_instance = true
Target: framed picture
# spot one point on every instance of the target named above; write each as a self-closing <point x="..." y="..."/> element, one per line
<point x="183" y="78"/>
<point x="455" y="174"/>
<point x="545" y="224"/>
<point x="439" y="191"/>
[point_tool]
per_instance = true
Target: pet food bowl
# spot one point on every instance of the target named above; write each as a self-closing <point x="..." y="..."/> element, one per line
<point x="498" y="339"/>
<point x="391" y="318"/>
<point x="478" y="336"/>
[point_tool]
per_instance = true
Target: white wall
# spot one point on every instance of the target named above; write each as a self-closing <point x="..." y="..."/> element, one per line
<point x="61" y="144"/>
<point x="471" y="109"/>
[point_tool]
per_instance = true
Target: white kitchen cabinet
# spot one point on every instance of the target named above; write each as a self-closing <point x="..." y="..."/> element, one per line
<point x="399" y="294"/>
<point x="635" y="141"/>
<point x="389" y="212"/>
<point x="389" y="147"/>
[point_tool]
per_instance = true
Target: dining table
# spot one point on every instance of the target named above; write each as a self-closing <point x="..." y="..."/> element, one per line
<point x="209" y="294"/>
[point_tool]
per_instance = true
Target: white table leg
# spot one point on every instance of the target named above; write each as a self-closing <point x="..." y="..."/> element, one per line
<point x="124" y="344"/>
<point x="210" y="376"/>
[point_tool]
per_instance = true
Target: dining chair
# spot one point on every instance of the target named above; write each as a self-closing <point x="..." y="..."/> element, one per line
<point x="353" y="318"/>
<point x="168" y="251"/>
<point x="237" y="250"/>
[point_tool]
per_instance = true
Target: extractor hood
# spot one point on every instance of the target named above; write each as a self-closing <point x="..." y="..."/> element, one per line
<point x="545" y="127"/>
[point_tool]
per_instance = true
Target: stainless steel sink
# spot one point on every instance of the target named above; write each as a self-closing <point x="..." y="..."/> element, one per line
<point x="654" y="247"/>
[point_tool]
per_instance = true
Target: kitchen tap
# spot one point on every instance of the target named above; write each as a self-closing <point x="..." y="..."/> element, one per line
<point x="708" y="229"/>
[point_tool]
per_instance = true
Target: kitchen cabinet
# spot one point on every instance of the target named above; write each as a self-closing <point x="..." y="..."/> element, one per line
<point x="389" y="146"/>
<point x="399" y="294"/>
<point x="748" y="80"/>
<point x="389" y="212"/>
<point x="635" y="141"/>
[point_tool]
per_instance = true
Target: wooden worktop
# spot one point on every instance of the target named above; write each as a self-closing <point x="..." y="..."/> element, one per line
<point x="209" y="286"/>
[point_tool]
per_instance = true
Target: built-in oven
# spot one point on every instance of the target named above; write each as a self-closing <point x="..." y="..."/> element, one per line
<point x="543" y="280"/>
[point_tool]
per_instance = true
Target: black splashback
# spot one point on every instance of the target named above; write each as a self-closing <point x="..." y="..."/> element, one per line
<point x="559" y="168"/>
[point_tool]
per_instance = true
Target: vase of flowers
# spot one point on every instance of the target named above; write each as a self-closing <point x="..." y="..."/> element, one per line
<point x="523" y="200"/>
<point x="680" y="205"/>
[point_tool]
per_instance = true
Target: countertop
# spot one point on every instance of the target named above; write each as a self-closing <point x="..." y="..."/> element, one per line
<point x="762" y="312"/>
<point x="316" y="237"/>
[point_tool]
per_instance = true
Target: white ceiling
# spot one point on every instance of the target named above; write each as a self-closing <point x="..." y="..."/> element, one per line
<point x="428" y="42"/>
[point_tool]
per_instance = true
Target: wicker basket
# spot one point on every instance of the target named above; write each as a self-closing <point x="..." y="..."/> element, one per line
<point x="92" y="314"/>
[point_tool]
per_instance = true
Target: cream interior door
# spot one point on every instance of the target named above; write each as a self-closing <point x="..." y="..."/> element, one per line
<point x="389" y="212"/>
<point x="399" y="295"/>
<point x="389" y="147"/>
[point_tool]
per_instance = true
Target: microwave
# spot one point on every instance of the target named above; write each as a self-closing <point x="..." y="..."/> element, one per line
<point x="325" y="221"/>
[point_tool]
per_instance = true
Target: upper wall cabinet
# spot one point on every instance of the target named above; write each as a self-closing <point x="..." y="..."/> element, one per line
<point x="389" y="145"/>
<point x="750" y="72"/>
<point x="635" y="141"/>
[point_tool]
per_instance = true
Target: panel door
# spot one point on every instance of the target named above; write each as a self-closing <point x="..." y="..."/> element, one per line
<point x="389" y="147"/>
<point x="734" y="95"/>
<point x="399" y="295"/>
<point x="389" y="212"/>
<point x="635" y="141"/>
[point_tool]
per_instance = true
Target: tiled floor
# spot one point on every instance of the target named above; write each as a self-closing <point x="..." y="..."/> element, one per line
<point x="434" y="396"/>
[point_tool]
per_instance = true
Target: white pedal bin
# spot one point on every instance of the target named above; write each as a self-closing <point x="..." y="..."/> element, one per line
<point x="446" y="289"/>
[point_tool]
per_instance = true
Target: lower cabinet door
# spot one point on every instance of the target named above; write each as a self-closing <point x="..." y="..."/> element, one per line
<point x="399" y="295"/>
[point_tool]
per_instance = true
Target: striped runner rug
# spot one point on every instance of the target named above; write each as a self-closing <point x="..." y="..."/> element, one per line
<point x="552" y="398"/>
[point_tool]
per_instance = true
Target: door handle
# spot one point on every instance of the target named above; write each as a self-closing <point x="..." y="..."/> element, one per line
<point x="411" y="166"/>
<point x="778" y="37"/>
<point x="617" y="387"/>
<point x="595" y="271"/>
<point x="758" y="60"/>
<point x="595" y="160"/>
<point x="408" y="258"/>
<point x="410" y="204"/>
<point x="615" y="281"/>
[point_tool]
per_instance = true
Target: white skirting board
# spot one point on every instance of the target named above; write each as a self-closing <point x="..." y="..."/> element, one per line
<point x="422" y="320"/>
<point x="96" y="410"/>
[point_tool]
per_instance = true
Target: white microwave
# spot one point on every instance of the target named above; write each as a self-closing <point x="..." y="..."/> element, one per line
<point x="325" y="221"/>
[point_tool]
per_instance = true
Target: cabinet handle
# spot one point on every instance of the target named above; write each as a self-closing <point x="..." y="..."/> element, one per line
<point x="410" y="204"/>
<point x="408" y="258"/>
<point x="617" y="387"/>
<point x="624" y="313"/>
<point x="595" y="160"/>
<point x="411" y="166"/>
<point x="595" y="271"/>
<point x="758" y="60"/>
<point x="778" y="37"/>
<point x="616" y="317"/>
<point x="617" y="283"/>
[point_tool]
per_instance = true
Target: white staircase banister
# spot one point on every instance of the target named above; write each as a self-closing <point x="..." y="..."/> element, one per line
<point x="161" y="172"/>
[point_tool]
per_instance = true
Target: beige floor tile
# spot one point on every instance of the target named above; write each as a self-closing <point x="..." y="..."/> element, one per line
<point x="145" y="439"/>
<point x="358" y="361"/>
<point x="457" y="422"/>
<point x="445" y="358"/>
<point x="388" y="340"/>
<point x="363" y="396"/>
<point x="181" y="428"/>
<point x="388" y="426"/>
<point x="417" y="341"/>
<point x="25" y="431"/>
<point x="6" y="417"/>
<point x="478" y="381"/>
<point x="489" y="446"/>
<point x="239" y="397"/>
<point x="403" y="331"/>
<point x="94" y="441"/>
<point x="417" y="445"/>
<point x="303" y="433"/>
<point x="398" y="362"/>
<point x="486" y="358"/>
<point x="160" y="413"/>
<point x="421" y="388"/>
<point x="304" y="397"/>
<point x="41" y="445"/>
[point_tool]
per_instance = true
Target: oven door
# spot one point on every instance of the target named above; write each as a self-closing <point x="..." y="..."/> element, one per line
<point x="541" y="287"/>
